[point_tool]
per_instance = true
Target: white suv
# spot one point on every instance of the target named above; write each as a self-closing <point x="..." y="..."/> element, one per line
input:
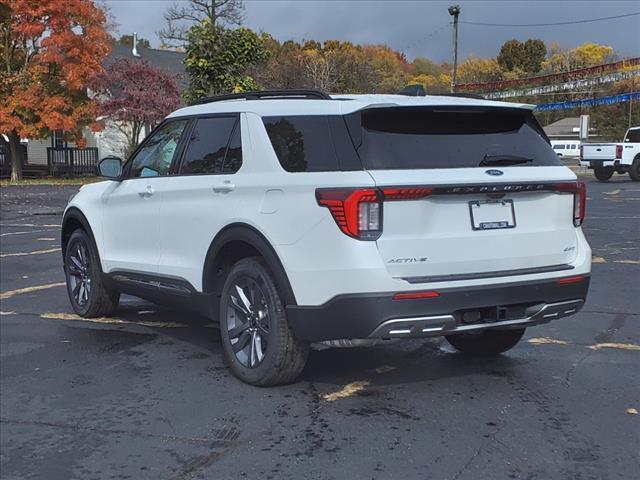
<point x="295" y="217"/>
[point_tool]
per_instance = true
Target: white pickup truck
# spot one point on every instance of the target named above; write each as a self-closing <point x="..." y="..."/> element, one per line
<point x="607" y="158"/>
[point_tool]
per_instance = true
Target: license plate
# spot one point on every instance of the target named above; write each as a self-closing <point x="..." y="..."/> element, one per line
<point x="492" y="214"/>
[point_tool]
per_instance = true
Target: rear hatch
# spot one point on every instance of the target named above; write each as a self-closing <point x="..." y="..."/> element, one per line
<point x="493" y="199"/>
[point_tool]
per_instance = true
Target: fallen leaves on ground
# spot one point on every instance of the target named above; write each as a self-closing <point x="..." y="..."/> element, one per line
<point x="347" y="391"/>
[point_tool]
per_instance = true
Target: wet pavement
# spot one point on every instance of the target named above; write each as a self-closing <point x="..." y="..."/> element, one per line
<point x="146" y="395"/>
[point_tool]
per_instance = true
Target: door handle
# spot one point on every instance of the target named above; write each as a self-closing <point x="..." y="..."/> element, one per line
<point x="226" y="187"/>
<point x="148" y="192"/>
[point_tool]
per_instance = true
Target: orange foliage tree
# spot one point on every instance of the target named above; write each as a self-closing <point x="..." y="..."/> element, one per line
<point x="50" y="51"/>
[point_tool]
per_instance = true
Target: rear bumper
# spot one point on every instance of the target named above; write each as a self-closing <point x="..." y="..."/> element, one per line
<point x="511" y="305"/>
<point x="604" y="163"/>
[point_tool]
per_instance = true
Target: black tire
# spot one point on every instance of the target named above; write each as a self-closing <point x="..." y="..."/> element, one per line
<point x="257" y="320"/>
<point x="634" y="170"/>
<point x="488" y="342"/>
<point x="87" y="293"/>
<point x="603" y="173"/>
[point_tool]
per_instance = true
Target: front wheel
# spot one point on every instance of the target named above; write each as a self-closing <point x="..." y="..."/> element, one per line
<point x="258" y="344"/>
<point x="88" y="295"/>
<point x="603" y="173"/>
<point x="488" y="342"/>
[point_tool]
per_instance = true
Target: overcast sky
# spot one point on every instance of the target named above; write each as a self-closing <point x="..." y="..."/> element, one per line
<point x="418" y="28"/>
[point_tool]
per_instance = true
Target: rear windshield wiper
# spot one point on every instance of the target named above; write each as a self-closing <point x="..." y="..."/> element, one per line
<point x="503" y="160"/>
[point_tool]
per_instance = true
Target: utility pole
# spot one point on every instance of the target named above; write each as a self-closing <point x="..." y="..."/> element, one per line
<point x="454" y="11"/>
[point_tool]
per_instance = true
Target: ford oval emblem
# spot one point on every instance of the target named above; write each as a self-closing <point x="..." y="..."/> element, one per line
<point x="494" y="172"/>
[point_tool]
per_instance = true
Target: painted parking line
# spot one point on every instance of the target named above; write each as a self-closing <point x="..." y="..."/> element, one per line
<point x="110" y="320"/>
<point x="36" y="252"/>
<point x="26" y="233"/>
<point x="39" y="225"/>
<point x="620" y="346"/>
<point x="546" y="341"/>
<point x="35" y="288"/>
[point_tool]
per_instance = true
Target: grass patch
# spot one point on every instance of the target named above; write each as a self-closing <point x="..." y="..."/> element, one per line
<point x="49" y="181"/>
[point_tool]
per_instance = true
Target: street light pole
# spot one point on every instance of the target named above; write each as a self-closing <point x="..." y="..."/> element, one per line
<point x="454" y="11"/>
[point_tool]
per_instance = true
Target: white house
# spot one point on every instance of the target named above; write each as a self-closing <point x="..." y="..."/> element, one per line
<point x="109" y="141"/>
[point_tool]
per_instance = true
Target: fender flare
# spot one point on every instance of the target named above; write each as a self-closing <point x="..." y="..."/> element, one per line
<point x="74" y="213"/>
<point x="242" y="232"/>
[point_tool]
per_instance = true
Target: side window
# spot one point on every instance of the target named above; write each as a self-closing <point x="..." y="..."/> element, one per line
<point x="233" y="160"/>
<point x="205" y="154"/>
<point x="302" y="143"/>
<point x="155" y="157"/>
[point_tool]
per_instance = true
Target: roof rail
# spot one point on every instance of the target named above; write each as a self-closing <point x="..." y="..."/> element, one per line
<point x="267" y="94"/>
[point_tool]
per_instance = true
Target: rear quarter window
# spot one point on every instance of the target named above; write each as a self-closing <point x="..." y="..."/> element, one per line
<point x="312" y="143"/>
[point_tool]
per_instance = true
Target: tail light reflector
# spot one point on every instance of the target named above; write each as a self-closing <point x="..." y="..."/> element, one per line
<point x="571" y="280"/>
<point x="619" y="151"/>
<point x="414" y="295"/>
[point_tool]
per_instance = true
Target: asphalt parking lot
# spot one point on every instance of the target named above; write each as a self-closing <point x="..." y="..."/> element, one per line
<point x="145" y="395"/>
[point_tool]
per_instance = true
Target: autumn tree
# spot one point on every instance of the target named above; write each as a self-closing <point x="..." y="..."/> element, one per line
<point x="476" y="70"/>
<point x="181" y="16"/>
<point x="128" y="40"/>
<point x="50" y="52"/>
<point x="424" y="66"/>
<point x="526" y="58"/>
<point x="218" y="60"/>
<point x="134" y="94"/>
<point x="585" y="55"/>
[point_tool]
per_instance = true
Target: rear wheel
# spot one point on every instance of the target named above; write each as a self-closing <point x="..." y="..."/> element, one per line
<point x="634" y="170"/>
<point x="88" y="295"/>
<point x="258" y="344"/>
<point x="603" y="173"/>
<point x="488" y="342"/>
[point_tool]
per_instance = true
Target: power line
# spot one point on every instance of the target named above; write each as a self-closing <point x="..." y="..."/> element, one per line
<point x="550" y="24"/>
<point x="426" y="37"/>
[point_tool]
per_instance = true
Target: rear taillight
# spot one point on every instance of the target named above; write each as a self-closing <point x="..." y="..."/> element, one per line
<point x="358" y="211"/>
<point x="618" y="151"/>
<point x="579" y="190"/>
<point x="579" y="204"/>
<point x="406" y="193"/>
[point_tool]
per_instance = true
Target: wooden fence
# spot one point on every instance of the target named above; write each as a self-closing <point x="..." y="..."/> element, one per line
<point x="72" y="161"/>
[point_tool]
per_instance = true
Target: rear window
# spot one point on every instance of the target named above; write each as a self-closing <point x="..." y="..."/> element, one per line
<point x="449" y="137"/>
<point x="633" y="136"/>
<point x="312" y="143"/>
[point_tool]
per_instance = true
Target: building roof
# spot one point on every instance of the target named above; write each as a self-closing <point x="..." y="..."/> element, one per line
<point x="346" y="105"/>
<point x="168" y="60"/>
<point x="568" y="126"/>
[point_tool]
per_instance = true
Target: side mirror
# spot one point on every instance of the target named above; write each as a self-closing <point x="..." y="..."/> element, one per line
<point x="110" y="167"/>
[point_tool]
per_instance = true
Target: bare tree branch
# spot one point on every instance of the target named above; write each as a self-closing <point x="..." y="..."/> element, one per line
<point x="180" y="17"/>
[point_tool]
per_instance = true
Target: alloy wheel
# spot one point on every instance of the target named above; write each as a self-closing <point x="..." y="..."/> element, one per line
<point x="248" y="321"/>
<point x="78" y="265"/>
